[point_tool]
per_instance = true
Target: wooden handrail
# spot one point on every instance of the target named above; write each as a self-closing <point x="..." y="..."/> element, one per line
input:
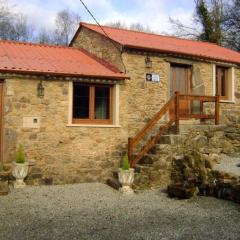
<point x="152" y="122"/>
<point x="174" y="103"/>
<point x="197" y="98"/>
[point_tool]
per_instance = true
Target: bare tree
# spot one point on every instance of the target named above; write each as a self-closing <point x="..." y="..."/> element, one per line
<point x="140" y="28"/>
<point x="45" y="36"/>
<point x="13" y="26"/>
<point x="117" y="24"/>
<point x="134" y="26"/>
<point x="66" y="24"/>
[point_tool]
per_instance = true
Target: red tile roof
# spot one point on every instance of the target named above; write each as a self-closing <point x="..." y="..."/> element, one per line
<point x="167" y="44"/>
<point x="53" y="60"/>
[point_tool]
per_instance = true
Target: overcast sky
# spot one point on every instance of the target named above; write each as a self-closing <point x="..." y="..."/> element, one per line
<point x="154" y="13"/>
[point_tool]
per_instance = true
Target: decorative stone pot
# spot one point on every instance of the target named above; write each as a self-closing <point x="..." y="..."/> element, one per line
<point x="126" y="178"/>
<point x="20" y="171"/>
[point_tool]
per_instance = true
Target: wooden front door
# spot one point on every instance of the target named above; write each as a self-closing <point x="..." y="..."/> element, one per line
<point x="180" y="82"/>
<point x="1" y="117"/>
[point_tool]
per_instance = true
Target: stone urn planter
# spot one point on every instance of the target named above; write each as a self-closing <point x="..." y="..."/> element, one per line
<point x="20" y="169"/>
<point x="126" y="177"/>
<point x="20" y="172"/>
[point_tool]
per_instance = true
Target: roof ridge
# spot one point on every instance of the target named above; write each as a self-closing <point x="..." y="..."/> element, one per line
<point x="36" y="44"/>
<point x="154" y="34"/>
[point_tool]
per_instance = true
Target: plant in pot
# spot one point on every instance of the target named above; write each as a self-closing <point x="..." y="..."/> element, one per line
<point x="20" y="168"/>
<point x="126" y="176"/>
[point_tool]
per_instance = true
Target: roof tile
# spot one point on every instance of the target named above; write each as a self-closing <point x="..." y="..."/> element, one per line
<point x="167" y="44"/>
<point x="36" y="58"/>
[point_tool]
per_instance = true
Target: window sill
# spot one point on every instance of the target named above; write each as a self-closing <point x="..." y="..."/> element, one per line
<point x="94" y="125"/>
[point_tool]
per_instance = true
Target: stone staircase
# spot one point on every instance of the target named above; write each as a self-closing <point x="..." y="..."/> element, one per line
<point x="154" y="169"/>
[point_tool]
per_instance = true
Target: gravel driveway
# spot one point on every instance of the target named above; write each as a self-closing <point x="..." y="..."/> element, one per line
<point x="95" y="211"/>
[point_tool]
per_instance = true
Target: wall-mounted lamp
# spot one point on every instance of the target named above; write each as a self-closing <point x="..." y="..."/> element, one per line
<point x="148" y="62"/>
<point x="40" y="90"/>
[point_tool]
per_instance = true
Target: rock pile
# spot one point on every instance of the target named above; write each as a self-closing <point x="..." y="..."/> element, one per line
<point x="192" y="167"/>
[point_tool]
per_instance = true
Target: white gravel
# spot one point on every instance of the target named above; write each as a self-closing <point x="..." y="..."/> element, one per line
<point x="95" y="211"/>
<point x="229" y="165"/>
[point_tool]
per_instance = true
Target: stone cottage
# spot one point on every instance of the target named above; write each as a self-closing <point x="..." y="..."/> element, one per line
<point x="73" y="108"/>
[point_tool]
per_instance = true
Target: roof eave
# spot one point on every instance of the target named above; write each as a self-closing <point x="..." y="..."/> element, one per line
<point x="127" y="46"/>
<point x="54" y="74"/>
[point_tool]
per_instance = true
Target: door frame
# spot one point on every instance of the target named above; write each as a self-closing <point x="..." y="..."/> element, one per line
<point x="189" y="71"/>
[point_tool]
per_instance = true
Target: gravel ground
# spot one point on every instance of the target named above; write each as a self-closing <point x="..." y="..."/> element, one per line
<point x="95" y="211"/>
<point x="229" y="165"/>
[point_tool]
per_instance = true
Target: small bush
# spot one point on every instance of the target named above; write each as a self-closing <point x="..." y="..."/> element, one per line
<point x="20" y="158"/>
<point x="125" y="165"/>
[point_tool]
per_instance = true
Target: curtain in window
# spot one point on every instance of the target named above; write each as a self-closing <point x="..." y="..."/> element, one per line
<point x="102" y="95"/>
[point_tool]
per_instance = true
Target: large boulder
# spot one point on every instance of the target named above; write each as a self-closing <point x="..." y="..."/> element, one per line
<point x="236" y="193"/>
<point x="182" y="192"/>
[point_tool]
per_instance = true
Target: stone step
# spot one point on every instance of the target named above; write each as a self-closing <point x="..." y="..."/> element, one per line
<point x="185" y="128"/>
<point x="160" y="149"/>
<point x="172" y="139"/>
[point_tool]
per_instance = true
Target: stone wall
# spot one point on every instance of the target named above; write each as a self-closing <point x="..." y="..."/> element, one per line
<point x="100" y="46"/>
<point x="145" y="98"/>
<point x="65" y="154"/>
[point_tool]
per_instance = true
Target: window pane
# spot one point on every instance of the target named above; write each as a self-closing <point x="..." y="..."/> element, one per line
<point x="102" y="99"/>
<point x="171" y="81"/>
<point x="223" y="82"/>
<point x="184" y="75"/>
<point x="81" y="101"/>
<point x="178" y="79"/>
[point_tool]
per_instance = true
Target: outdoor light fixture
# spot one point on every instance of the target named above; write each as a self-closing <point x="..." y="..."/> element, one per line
<point x="148" y="62"/>
<point x="40" y="90"/>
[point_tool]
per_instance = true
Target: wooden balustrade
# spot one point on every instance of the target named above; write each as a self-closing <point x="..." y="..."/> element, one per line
<point x="174" y="102"/>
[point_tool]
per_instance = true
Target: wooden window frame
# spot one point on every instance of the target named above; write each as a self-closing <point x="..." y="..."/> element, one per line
<point x="219" y="84"/>
<point x="91" y="119"/>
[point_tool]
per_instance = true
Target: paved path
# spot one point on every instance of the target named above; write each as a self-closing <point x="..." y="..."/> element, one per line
<point x="95" y="211"/>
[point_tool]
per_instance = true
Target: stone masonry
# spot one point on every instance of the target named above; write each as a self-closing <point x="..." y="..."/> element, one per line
<point x="66" y="154"/>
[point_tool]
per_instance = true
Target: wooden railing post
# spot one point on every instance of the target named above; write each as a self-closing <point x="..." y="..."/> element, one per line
<point x="177" y="105"/>
<point x="130" y="151"/>
<point x="217" y="110"/>
<point x="201" y="110"/>
<point x="201" y="107"/>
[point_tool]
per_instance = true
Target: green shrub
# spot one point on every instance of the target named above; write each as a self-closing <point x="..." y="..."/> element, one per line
<point x="20" y="158"/>
<point x="125" y="165"/>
